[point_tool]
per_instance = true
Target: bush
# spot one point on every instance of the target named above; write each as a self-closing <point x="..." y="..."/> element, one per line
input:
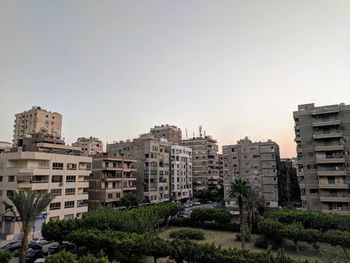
<point x="91" y="259"/>
<point x="61" y="257"/>
<point x="261" y="242"/>
<point x="5" y="256"/>
<point x="218" y="215"/>
<point x="190" y="234"/>
<point x="247" y="236"/>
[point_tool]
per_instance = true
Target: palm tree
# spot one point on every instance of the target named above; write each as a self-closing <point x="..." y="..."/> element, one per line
<point x="254" y="206"/>
<point x="240" y="190"/>
<point x="28" y="205"/>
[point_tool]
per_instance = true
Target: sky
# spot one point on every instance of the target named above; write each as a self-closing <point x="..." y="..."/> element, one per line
<point x="114" y="69"/>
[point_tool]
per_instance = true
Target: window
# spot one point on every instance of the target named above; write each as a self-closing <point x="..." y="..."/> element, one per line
<point x="110" y="196"/>
<point x="0" y="178"/>
<point x="71" y="166"/>
<point x="69" y="204"/>
<point x="70" y="178"/>
<point x="57" y="166"/>
<point x="9" y="193"/>
<point x="56" y="179"/>
<point x="70" y="191"/>
<point x="313" y="191"/>
<point x="56" y="192"/>
<point x="55" y="206"/>
<point x="11" y="178"/>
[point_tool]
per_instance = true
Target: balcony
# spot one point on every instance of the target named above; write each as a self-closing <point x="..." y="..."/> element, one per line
<point x="326" y="123"/>
<point x="330" y="160"/>
<point x="332" y="173"/>
<point x="334" y="134"/>
<point x="336" y="147"/>
<point x="333" y="185"/>
<point x="340" y="211"/>
<point x="338" y="198"/>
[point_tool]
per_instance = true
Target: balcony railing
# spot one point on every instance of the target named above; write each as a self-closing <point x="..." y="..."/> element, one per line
<point x="333" y="134"/>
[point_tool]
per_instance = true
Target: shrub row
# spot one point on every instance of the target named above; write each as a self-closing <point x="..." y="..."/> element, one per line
<point x="138" y="220"/>
<point x="275" y="232"/>
<point x="66" y="257"/>
<point x="132" y="244"/>
<point x="315" y="220"/>
<point x="190" y="234"/>
<point x="189" y="222"/>
<point x="217" y="215"/>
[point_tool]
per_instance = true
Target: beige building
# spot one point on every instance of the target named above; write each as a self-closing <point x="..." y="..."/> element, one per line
<point x="257" y="162"/>
<point x="44" y="167"/>
<point x="36" y="120"/>
<point x="89" y="146"/>
<point x="322" y="135"/>
<point x="153" y="165"/>
<point x="205" y="162"/>
<point x="181" y="173"/>
<point x="111" y="179"/>
<point x="169" y="132"/>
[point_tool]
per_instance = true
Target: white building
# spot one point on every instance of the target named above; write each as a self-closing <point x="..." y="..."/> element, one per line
<point x="181" y="172"/>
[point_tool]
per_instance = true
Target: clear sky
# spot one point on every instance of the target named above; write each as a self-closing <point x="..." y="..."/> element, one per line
<point x="116" y="68"/>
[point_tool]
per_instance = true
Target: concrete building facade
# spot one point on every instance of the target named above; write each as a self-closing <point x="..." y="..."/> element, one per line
<point x="205" y="162"/>
<point x="322" y="135"/>
<point x="112" y="178"/>
<point x="181" y="173"/>
<point x="89" y="146"/>
<point x="36" y="120"/>
<point x="169" y="132"/>
<point x="153" y="165"/>
<point x="257" y="162"/>
<point x="54" y="169"/>
<point x="5" y="146"/>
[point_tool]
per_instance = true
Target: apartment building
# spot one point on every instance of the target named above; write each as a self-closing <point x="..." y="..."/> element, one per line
<point x="322" y="135"/>
<point x="181" y="173"/>
<point x="153" y="165"/>
<point x="169" y="132"/>
<point x="45" y="167"/>
<point x="89" y="146"/>
<point x="288" y="187"/>
<point x="257" y="162"/>
<point x="205" y="162"/>
<point x="36" y="120"/>
<point x="112" y="178"/>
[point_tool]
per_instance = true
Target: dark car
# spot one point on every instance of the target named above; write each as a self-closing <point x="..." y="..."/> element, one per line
<point x="12" y="246"/>
<point x="32" y="255"/>
<point x="63" y="246"/>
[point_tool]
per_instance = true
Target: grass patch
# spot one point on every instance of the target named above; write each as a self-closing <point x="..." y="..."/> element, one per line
<point x="228" y="240"/>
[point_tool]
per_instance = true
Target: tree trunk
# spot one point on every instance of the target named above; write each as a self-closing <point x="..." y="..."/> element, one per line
<point x="154" y="259"/>
<point x="24" y="243"/>
<point x="241" y="219"/>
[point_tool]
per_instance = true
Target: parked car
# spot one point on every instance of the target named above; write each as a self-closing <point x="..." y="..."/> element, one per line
<point x="59" y="247"/>
<point x="39" y="260"/>
<point x="12" y="246"/>
<point x="38" y="241"/>
<point x="33" y="255"/>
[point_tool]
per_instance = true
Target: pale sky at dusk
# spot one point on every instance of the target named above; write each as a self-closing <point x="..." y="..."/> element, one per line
<point x="114" y="69"/>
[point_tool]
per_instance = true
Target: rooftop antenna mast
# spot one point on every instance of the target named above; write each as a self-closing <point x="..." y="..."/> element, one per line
<point x="200" y="130"/>
<point x="186" y="134"/>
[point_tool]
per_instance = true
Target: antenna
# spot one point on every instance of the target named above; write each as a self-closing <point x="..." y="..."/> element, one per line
<point x="186" y="133"/>
<point x="200" y="130"/>
<point x="205" y="133"/>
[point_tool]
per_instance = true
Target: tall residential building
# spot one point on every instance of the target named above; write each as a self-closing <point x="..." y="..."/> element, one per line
<point x="112" y="178"/>
<point x="323" y="148"/>
<point x="45" y="167"/>
<point x="5" y="146"/>
<point x="288" y="187"/>
<point x="205" y="162"/>
<point x="153" y="165"/>
<point x="181" y="173"/>
<point x="89" y="146"/>
<point x="36" y="120"/>
<point x="169" y="132"/>
<point x="257" y="162"/>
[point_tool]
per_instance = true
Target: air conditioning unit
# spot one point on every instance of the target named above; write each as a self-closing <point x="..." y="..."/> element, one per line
<point x="60" y="184"/>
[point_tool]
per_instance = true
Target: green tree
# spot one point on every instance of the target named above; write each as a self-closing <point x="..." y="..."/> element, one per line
<point x="239" y="191"/>
<point x="5" y="256"/>
<point x="62" y="257"/>
<point x="129" y="200"/>
<point x="255" y="206"/>
<point x="28" y="205"/>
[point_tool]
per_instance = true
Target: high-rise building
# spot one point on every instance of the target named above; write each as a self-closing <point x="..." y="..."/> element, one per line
<point x="205" y="162"/>
<point x="322" y="135"/>
<point x="169" y="132"/>
<point x="256" y="162"/>
<point x="36" y="120"/>
<point x="288" y="187"/>
<point x="181" y="173"/>
<point x="153" y="165"/>
<point x="112" y="178"/>
<point x="44" y="165"/>
<point x="89" y="146"/>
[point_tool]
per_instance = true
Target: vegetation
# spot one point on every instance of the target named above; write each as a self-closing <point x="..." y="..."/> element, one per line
<point x="255" y="207"/>
<point x="240" y="190"/>
<point x="67" y="257"/>
<point x="190" y="234"/>
<point x="28" y="205"/>
<point x="5" y="256"/>
<point x="129" y="200"/>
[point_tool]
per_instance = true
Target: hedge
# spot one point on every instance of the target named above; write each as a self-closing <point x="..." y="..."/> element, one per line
<point x="190" y="234"/>
<point x="5" y="256"/>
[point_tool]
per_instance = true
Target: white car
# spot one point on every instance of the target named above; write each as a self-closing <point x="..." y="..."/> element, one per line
<point x="39" y="260"/>
<point x="38" y="241"/>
